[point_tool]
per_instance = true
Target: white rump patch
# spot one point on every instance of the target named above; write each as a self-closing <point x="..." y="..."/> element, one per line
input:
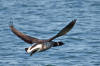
<point x="35" y="47"/>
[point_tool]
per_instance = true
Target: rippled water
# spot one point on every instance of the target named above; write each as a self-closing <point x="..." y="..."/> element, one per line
<point x="43" y="19"/>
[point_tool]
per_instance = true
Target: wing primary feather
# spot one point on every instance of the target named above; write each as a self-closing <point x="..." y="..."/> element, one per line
<point x="64" y="30"/>
<point x="24" y="37"/>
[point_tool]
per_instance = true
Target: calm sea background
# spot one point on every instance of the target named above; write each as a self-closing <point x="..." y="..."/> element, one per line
<point x="43" y="19"/>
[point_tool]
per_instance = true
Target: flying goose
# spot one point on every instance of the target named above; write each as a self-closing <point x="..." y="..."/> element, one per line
<point x="39" y="45"/>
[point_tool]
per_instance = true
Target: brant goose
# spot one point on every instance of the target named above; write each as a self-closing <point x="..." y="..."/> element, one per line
<point x="39" y="45"/>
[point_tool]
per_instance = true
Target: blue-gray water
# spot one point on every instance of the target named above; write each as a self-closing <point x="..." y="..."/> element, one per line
<point x="43" y="19"/>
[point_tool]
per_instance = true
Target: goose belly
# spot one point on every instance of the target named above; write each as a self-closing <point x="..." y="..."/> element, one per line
<point x="46" y="46"/>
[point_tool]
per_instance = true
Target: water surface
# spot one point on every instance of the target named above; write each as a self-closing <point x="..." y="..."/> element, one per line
<point x="43" y="19"/>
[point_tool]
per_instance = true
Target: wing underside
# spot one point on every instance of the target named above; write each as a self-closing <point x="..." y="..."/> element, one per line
<point x="24" y="37"/>
<point x="64" y="30"/>
<point x="32" y="40"/>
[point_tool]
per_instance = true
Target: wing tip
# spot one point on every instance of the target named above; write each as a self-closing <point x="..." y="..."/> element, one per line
<point x="11" y="24"/>
<point x="74" y="21"/>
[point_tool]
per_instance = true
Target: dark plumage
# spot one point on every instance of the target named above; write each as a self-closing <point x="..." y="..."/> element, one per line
<point x="42" y="45"/>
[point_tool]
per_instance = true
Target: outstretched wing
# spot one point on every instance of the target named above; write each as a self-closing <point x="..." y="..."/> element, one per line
<point x="64" y="30"/>
<point x="24" y="37"/>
